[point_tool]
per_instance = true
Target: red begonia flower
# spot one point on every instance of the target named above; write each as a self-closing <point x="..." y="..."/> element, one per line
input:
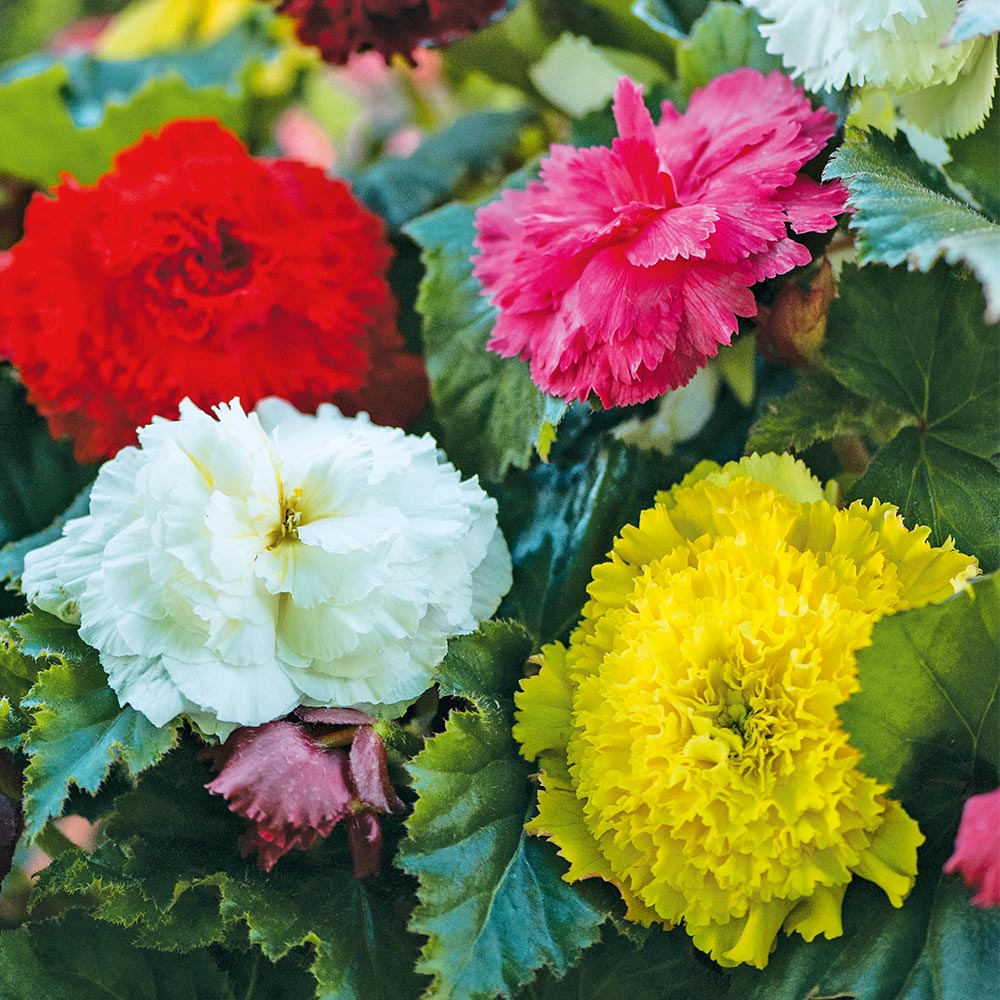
<point x="977" y="848"/>
<point x="341" y="27"/>
<point x="193" y="269"/>
<point x="622" y="270"/>
<point x="294" y="788"/>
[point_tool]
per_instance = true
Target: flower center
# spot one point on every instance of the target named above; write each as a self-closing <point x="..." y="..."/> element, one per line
<point x="217" y="264"/>
<point x="287" y="528"/>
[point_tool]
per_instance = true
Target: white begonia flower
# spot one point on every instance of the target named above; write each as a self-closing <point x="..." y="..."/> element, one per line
<point x="897" y="45"/>
<point x="235" y="568"/>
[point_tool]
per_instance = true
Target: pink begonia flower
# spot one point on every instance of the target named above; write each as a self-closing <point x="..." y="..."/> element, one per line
<point x="977" y="848"/>
<point x="294" y="780"/>
<point x="621" y="271"/>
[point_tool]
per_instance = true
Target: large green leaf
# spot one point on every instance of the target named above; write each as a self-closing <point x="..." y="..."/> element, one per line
<point x="76" y="958"/>
<point x="79" y="729"/>
<point x="39" y="138"/>
<point x="903" y="212"/>
<point x="560" y="520"/>
<point x="492" y="903"/>
<point x="927" y="717"/>
<point x="937" y="363"/>
<point x="927" y="720"/>
<point x="400" y="189"/>
<point x="491" y="413"/>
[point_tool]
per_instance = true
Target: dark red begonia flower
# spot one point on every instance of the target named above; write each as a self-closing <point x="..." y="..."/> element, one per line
<point x="192" y="269"/>
<point x="295" y="781"/>
<point x="339" y="28"/>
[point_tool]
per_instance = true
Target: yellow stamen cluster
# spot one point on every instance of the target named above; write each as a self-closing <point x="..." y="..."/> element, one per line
<point x="689" y="739"/>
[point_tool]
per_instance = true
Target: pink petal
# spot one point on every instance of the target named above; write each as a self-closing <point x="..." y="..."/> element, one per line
<point x="679" y="232"/>
<point x="812" y="207"/>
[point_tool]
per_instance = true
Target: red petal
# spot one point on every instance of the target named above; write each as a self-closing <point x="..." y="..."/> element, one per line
<point x="364" y="834"/>
<point x="277" y="776"/>
<point x="370" y="771"/>
<point x="333" y="716"/>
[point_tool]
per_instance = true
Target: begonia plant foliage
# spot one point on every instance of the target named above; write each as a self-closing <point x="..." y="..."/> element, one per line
<point x="499" y="500"/>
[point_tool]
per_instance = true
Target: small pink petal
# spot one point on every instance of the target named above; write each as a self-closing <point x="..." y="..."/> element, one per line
<point x="812" y="207"/>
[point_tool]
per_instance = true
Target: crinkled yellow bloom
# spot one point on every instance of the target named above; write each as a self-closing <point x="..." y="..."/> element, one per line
<point x="689" y="741"/>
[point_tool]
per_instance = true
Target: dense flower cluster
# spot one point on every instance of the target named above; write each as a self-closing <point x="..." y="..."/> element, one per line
<point x="689" y="739"/>
<point x="622" y="270"/>
<point x="176" y="275"/>
<point x="235" y="568"/>
<point x="900" y="45"/>
<point x="342" y="27"/>
<point x="296" y="779"/>
<point x="977" y="848"/>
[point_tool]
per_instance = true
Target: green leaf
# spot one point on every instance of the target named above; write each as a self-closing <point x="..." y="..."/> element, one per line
<point x="170" y="868"/>
<point x="491" y="413"/>
<point x="253" y="977"/>
<point x="17" y="674"/>
<point x="399" y="189"/>
<point x="723" y="38"/>
<point x="76" y="958"/>
<point x="817" y="409"/>
<point x="939" y="365"/>
<point x="38" y="477"/>
<point x="39" y="139"/>
<point x="952" y="492"/>
<point x="974" y="17"/>
<point x="975" y="165"/>
<point x="559" y="521"/>
<point x="664" y="967"/>
<point x="927" y="717"/>
<point x="486" y="667"/>
<point x="902" y="213"/>
<point x="79" y="730"/>
<point x="673" y="18"/>
<point x="927" y="721"/>
<point x="492" y="902"/>
<point x="362" y="949"/>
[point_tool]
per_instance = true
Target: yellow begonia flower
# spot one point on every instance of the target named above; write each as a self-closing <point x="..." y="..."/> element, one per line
<point x="157" y="25"/>
<point x="688" y="737"/>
